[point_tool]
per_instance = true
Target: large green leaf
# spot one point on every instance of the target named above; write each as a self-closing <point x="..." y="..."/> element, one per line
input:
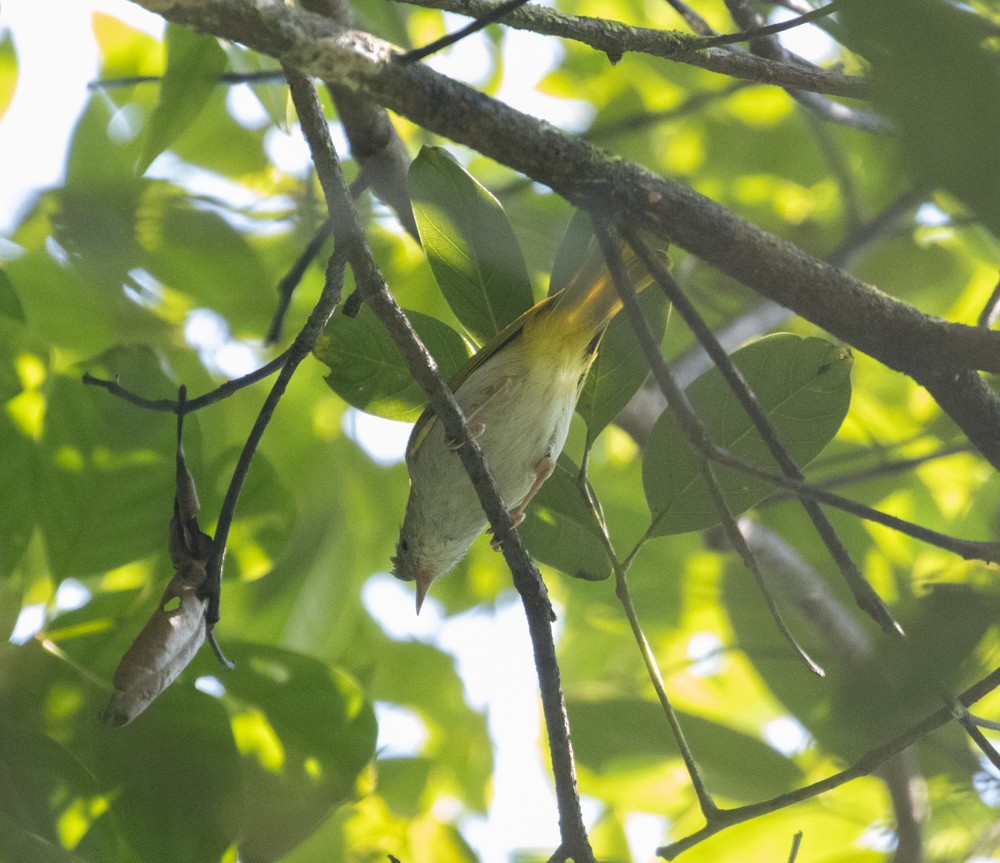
<point x="470" y="245"/>
<point x="573" y="246"/>
<point x="107" y="468"/>
<point x="96" y="220"/>
<point x="178" y="792"/>
<point x="305" y="733"/>
<point x="17" y="843"/>
<point x="936" y="73"/>
<point x="367" y="370"/>
<point x="35" y="773"/>
<point x="10" y="305"/>
<point x="876" y="686"/>
<point x="194" y="63"/>
<point x="619" y="734"/>
<point x="199" y="254"/>
<point x="802" y="386"/>
<point x="126" y="51"/>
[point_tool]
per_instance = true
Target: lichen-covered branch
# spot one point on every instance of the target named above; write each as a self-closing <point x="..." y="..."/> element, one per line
<point x="615" y="39"/>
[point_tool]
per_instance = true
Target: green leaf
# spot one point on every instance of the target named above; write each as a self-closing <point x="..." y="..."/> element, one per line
<point x="125" y="51"/>
<point x="272" y="95"/>
<point x="17" y="843"/>
<point x="936" y="73"/>
<point x="194" y="63"/>
<point x="305" y="733"/>
<point x="619" y="734"/>
<point x="367" y="370"/>
<point x="8" y="71"/>
<point x="107" y="468"/>
<point x="620" y="367"/>
<point x="458" y="740"/>
<point x="17" y="511"/>
<point x="561" y="530"/>
<point x="803" y="387"/>
<point x="470" y="245"/>
<point x="10" y="304"/>
<point x="96" y="218"/>
<point x="196" y="252"/>
<point x="175" y="773"/>
<point x="35" y="771"/>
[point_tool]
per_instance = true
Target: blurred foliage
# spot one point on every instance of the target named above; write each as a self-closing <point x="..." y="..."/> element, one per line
<point x="168" y="275"/>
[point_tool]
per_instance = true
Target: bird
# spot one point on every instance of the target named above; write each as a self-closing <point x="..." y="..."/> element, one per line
<point x="518" y="393"/>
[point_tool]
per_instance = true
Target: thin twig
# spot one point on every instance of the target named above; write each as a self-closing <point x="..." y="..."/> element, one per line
<point x="171" y="406"/>
<point x="643" y="120"/>
<point x="290" y="281"/>
<point x="692" y="18"/>
<point x="771" y="49"/>
<point x="624" y="595"/>
<point x="990" y="724"/>
<point x="839" y="168"/>
<point x="970" y="726"/>
<point x="304" y="342"/>
<point x="496" y="14"/>
<point x="691" y="427"/>
<point x="863" y="593"/>
<point x="886" y="468"/>
<point x="796" y="842"/>
<point x="770" y="29"/>
<point x="988" y="552"/>
<point x="228" y="78"/>
<point x="866" y="764"/>
<point x="527" y="579"/>
<point x="988" y="316"/>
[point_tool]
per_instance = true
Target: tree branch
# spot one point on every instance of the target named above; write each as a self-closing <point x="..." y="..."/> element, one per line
<point x="616" y="39"/>
<point x="937" y="353"/>
<point x="527" y="579"/>
<point x="867" y="763"/>
<point x="223" y="391"/>
<point x="375" y="144"/>
<point x="862" y="591"/>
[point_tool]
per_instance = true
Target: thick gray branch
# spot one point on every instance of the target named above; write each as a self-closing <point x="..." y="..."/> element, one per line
<point x="935" y="352"/>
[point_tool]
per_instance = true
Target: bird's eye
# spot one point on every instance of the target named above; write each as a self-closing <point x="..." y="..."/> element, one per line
<point x="403" y="547"/>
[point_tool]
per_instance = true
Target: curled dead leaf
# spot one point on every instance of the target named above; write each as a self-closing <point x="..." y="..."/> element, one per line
<point x="167" y="643"/>
<point x="172" y="636"/>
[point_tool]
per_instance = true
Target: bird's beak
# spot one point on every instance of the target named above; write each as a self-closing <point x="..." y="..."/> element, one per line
<point x="424" y="580"/>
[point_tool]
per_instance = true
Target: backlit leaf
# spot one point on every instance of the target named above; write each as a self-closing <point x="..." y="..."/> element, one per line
<point x="802" y="385"/>
<point x="194" y="63"/>
<point x="8" y="71"/>
<point x="470" y="245"/>
<point x="367" y="370"/>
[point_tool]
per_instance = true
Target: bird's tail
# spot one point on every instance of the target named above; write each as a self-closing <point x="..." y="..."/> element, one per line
<point x="590" y="299"/>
